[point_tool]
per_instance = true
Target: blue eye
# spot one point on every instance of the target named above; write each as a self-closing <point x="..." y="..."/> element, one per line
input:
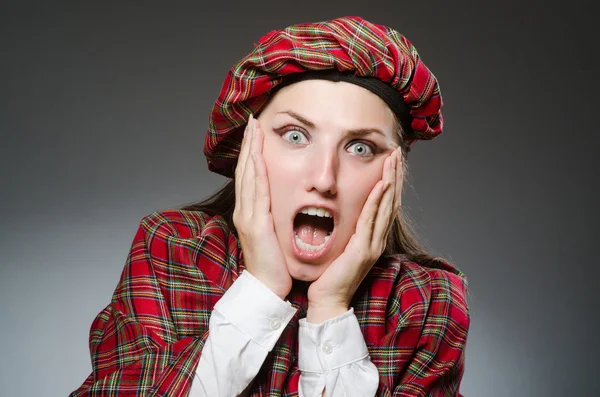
<point x="295" y="137"/>
<point x="361" y="149"/>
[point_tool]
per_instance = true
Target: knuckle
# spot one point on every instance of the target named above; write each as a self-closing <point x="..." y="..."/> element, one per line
<point x="236" y="220"/>
<point x="239" y="170"/>
<point x="239" y="219"/>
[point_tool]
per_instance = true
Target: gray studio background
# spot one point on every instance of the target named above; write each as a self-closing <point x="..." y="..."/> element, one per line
<point x="103" y="111"/>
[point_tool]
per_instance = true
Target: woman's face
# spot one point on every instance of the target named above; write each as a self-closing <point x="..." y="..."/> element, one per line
<point x="325" y="144"/>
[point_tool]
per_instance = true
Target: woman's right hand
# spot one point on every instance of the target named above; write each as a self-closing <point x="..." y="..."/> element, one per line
<point x="252" y="217"/>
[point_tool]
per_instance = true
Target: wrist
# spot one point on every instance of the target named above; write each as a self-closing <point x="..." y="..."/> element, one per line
<point x="316" y="314"/>
<point x="275" y="287"/>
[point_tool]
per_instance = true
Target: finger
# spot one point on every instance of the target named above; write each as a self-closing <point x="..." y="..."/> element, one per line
<point x="367" y="217"/>
<point x="398" y="183"/>
<point x="242" y="159"/>
<point x="245" y="147"/>
<point x="384" y="211"/>
<point x="399" y="180"/>
<point x="258" y="137"/>
<point x="262" y="198"/>
<point x="247" y="180"/>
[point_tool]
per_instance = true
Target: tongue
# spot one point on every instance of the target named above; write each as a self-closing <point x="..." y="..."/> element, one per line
<point x="312" y="229"/>
<point x="310" y="234"/>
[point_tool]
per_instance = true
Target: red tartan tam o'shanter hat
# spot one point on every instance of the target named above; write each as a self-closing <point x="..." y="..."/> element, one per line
<point x="348" y="45"/>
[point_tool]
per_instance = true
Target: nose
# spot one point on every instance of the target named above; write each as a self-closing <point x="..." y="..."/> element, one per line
<point x="323" y="172"/>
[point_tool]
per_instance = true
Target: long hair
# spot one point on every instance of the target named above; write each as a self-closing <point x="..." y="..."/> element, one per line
<point x="401" y="240"/>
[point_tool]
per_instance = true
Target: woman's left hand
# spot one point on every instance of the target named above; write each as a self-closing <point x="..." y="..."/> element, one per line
<point x="331" y="293"/>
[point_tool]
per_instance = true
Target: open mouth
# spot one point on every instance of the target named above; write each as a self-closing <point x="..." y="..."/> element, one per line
<point x="313" y="228"/>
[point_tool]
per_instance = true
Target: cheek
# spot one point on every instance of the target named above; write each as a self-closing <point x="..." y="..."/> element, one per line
<point x="278" y="169"/>
<point x="285" y="168"/>
<point x="356" y="190"/>
<point x="282" y="179"/>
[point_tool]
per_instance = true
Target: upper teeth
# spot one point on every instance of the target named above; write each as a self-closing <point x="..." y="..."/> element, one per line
<point x="322" y="212"/>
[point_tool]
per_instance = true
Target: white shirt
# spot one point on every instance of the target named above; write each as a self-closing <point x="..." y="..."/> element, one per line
<point x="244" y="327"/>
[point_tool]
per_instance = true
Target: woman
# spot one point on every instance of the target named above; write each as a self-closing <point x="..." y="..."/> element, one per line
<point x="300" y="276"/>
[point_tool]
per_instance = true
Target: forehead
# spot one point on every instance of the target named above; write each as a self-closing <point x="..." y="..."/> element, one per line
<point x="338" y="105"/>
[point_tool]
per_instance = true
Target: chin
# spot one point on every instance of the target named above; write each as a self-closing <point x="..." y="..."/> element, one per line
<point x="305" y="272"/>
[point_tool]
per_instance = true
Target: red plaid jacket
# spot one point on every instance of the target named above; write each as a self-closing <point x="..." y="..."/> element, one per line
<point x="148" y="340"/>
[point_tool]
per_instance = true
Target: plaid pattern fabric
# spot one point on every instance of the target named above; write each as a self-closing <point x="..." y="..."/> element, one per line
<point x="148" y="341"/>
<point x="346" y="44"/>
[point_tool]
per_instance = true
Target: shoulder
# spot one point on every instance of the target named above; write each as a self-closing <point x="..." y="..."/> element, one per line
<point x="442" y="281"/>
<point x="186" y="247"/>
<point x="191" y="237"/>
<point x="174" y="223"/>
<point x="445" y="289"/>
<point x="422" y="294"/>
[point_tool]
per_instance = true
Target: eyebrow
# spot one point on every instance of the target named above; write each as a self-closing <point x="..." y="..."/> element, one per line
<point x="354" y="132"/>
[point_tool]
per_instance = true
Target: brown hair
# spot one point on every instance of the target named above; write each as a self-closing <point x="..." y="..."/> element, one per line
<point x="401" y="239"/>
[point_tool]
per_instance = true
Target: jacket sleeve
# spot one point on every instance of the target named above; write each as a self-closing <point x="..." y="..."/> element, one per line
<point x="429" y="338"/>
<point x="136" y="345"/>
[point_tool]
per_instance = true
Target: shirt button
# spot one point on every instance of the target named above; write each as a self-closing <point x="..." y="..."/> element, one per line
<point x="327" y="349"/>
<point x="275" y="323"/>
